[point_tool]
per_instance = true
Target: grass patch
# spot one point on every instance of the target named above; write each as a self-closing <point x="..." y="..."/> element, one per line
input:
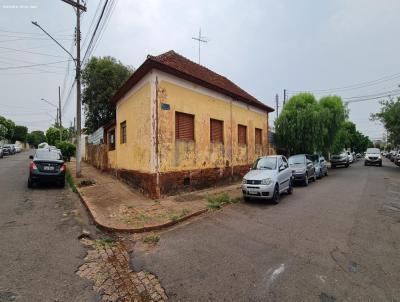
<point x="217" y="201"/>
<point x="104" y="242"/>
<point x="177" y="216"/>
<point x="143" y="217"/>
<point x="152" y="238"/>
<point x="70" y="181"/>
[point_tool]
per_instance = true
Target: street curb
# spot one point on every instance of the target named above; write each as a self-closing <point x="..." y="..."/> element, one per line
<point x="135" y="230"/>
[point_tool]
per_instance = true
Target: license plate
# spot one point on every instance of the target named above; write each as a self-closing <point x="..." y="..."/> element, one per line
<point x="48" y="168"/>
<point x="252" y="192"/>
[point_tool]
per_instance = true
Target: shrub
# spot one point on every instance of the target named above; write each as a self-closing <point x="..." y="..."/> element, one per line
<point x="67" y="149"/>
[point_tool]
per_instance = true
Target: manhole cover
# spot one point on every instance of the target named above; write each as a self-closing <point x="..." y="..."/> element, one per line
<point x="7" y="296"/>
<point x="326" y="298"/>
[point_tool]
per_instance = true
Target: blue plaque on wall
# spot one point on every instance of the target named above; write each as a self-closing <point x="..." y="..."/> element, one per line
<point x="165" y="106"/>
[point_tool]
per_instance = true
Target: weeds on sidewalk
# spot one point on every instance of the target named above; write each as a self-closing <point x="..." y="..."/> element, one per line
<point x="216" y="202"/>
<point x="104" y="242"/>
<point x="176" y="217"/>
<point x="70" y="181"/>
<point x="152" y="238"/>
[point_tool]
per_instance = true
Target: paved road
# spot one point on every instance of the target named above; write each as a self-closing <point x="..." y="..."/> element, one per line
<point x="39" y="250"/>
<point x="336" y="240"/>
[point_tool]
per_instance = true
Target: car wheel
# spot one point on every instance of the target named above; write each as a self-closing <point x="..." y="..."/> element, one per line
<point x="380" y="164"/>
<point x="275" y="197"/>
<point x="30" y="183"/>
<point x="246" y="198"/>
<point x="62" y="184"/>
<point x="333" y="166"/>
<point x="306" y="180"/>
<point x="326" y="172"/>
<point x="347" y="165"/>
<point x="290" y="189"/>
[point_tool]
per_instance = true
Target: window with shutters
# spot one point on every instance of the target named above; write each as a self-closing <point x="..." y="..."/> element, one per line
<point x="258" y="136"/>
<point x="242" y="135"/>
<point x="216" y="131"/>
<point x="123" y="132"/>
<point x="184" y="126"/>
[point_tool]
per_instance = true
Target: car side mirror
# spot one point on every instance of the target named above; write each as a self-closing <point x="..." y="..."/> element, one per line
<point x="281" y="168"/>
<point x="321" y="161"/>
<point x="30" y="156"/>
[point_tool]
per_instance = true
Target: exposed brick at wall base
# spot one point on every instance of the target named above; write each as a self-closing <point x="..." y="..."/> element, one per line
<point x="172" y="183"/>
<point x="145" y="182"/>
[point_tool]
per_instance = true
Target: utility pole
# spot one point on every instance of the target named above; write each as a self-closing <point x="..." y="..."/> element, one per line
<point x="59" y="110"/>
<point x="78" y="7"/>
<point x="284" y="97"/>
<point x="277" y="104"/>
<point x="200" y="39"/>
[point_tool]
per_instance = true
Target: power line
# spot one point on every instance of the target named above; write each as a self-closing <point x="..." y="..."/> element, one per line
<point x="95" y="31"/>
<point x="28" y="66"/>
<point x="31" y="52"/>
<point x="354" y="86"/>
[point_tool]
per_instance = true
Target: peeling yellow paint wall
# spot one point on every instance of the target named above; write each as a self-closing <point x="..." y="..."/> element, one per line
<point x="201" y="153"/>
<point x="135" y="110"/>
<point x="112" y="159"/>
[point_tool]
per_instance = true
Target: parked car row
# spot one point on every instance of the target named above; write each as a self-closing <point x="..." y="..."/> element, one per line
<point x="272" y="175"/>
<point x="393" y="156"/>
<point x="9" y="149"/>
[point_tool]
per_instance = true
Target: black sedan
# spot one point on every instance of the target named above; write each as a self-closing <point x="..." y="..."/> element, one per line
<point x="47" y="166"/>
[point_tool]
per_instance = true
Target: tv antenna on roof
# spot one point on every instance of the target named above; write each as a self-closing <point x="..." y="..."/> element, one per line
<point x="200" y="39"/>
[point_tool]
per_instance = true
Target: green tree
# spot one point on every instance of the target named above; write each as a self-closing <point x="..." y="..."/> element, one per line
<point x="20" y="133"/>
<point x="389" y="116"/>
<point x="53" y="135"/>
<point x="333" y="114"/>
<point x="298" y="126"/>
<point x="7" y="128"/>
<point x="35" y="138"/>
<point x="101" y="79"/>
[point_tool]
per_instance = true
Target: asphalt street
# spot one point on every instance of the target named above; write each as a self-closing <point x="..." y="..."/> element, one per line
<point x="336" y="240"/>
<point x="39" y="249"/>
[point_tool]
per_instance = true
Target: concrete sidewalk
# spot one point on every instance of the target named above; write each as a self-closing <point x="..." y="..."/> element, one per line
<point x="116" y="206"/>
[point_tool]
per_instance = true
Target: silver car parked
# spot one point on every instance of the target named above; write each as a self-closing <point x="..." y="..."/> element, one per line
<point x="268" y="178"/>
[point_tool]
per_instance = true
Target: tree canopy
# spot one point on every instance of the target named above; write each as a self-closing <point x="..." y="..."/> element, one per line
<point x="20" y="133"/>
<point x="53" y="135"/>
<point x="7" y="128"/>
<point x="298" y="126"/>
<point x="306" y="125"/>
<point x="36" y="137"/>
<point x="101" y="79"/>
<point x="389" y="116"/>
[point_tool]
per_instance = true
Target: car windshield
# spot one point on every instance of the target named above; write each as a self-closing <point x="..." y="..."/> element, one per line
<point x="373" y="151"/>
<point x="48" y="155"/>
<point x="297" y="159"/>
<point x="265" y="163"/>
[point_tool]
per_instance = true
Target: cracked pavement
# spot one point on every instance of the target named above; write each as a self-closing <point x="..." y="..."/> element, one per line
<point x="39" y="252"/>
<point x="336" y="240"/>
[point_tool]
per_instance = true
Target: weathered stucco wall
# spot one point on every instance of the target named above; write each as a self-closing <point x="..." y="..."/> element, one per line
<point x="135" y="154"/>
<point x="201" y="153"/>
<point x="112" y="159"/>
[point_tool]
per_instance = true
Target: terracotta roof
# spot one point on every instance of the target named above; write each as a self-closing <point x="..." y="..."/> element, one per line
<point x="175" y="64"/>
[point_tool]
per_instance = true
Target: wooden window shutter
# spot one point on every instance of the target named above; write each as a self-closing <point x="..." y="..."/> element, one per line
<point x="184" y="126"/>
<point x="123" y="132"/>
<point x="258" y="136"/>
<point x="242" y="135"/>
<point x="216" y="131"/>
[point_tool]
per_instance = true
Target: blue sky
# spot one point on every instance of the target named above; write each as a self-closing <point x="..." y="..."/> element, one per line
<point x="263" y="46"/>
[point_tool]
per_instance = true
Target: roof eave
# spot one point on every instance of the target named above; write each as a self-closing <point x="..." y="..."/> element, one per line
<point x="150" y="64"/>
